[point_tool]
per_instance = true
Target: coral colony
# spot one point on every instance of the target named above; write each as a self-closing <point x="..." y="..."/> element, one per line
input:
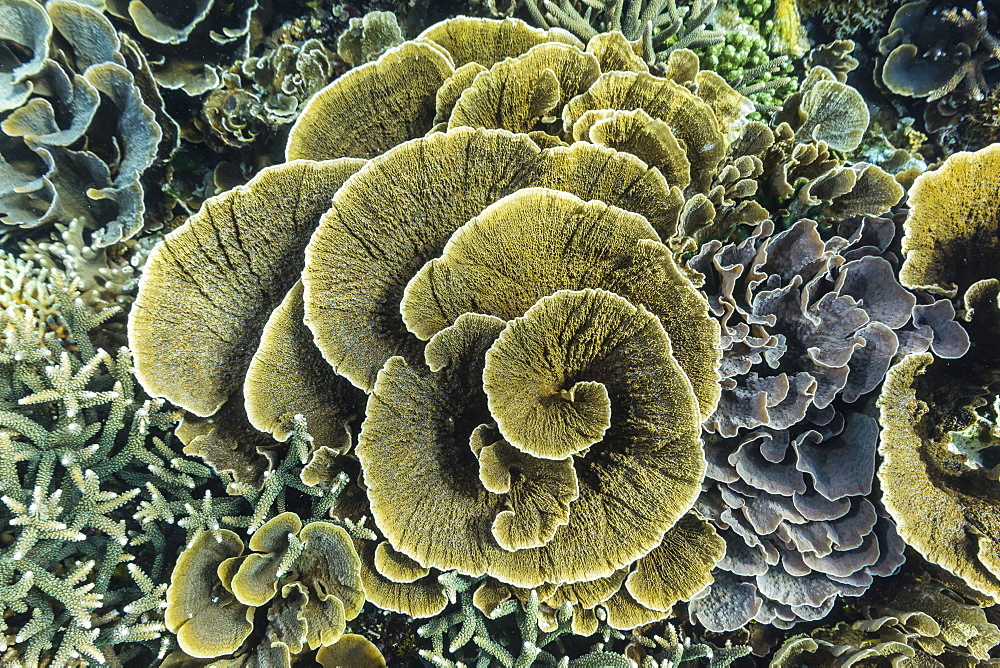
<point x="614" y="333"/>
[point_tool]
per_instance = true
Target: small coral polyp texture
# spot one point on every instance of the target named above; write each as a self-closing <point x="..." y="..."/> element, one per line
<point x="465" y="279"/>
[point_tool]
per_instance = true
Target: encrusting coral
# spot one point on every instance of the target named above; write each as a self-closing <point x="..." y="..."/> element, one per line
<point x="944" y="499"/>
<point x="82" y="121"/>
<point x="506" y="391"/>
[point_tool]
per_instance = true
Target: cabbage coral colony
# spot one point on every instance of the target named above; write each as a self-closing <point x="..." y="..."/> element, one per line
<point x="495" y="278"/>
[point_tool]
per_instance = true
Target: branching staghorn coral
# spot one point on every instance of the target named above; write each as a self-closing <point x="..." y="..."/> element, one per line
<point x="81" y="582"/>
<point x="95" y="501"/>
<point x="657" y="27"/>
<point x="466" y="632"/>
<point x="105" y="276"/>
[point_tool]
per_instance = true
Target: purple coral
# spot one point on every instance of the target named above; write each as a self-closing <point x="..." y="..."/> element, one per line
<point x="809" y="327"/>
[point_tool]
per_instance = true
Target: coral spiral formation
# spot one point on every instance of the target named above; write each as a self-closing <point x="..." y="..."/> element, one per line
<point x="471" y="253"/>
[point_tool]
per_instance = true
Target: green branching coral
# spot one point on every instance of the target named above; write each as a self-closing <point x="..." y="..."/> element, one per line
<point x="656" y="27"/>
<point x="95" y="500"/>
<point x="80" y="581"/>
<point x="466" y="634"/>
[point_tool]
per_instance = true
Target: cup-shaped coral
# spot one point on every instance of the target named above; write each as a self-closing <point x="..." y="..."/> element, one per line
<point x="945" y="498"/>
<point x="308" y="576"/>
<point x="483" y="221"/>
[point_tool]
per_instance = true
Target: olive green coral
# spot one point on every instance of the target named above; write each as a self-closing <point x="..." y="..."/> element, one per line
<point x="950" y="247"/>
<point x="308" y="576"/>
<point x="417" y="181"/>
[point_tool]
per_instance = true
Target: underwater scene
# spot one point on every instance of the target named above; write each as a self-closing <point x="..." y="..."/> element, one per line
<point x="499" y="333"/>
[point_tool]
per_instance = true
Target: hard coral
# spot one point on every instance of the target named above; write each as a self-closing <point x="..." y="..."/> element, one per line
<point x="918" y="63"/>
<point x="411" y="187"/>
<point x="809" y="327"/>
<point x="82" y="123"/>
<point x="82" y="456"/>
<point x="447" y="194"/>
<point x="188" y="43"/>
<point x="307" y="577"/>
<point x="922" y="621"/>
<point x="266" y="92"/>
<point x="942" y="54"/>
<point x="944" y="501"/>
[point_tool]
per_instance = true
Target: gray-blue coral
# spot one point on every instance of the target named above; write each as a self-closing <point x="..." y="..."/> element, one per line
<point x="810" y="325"/>
<point x="80" y="124"/>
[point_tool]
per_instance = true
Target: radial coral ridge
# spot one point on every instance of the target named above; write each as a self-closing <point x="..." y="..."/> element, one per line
<point x="938" y="474"/>
<point x="465" y="279"/>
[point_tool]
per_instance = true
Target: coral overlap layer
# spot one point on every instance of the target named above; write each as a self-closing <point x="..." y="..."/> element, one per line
<point x="486" y="222"/>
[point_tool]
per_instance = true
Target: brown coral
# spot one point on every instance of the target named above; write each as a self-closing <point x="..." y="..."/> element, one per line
<point x="309" y="577"/>
<point x="419" y="287"/>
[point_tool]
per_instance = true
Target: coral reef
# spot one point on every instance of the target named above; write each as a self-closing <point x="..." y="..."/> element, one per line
<point x="105" y="276"/>
<point x="732" y="47"/>
<point x="540" y="335"/>
<point x="188" y="44"/>
<point x="81" y="455"/>
<point x="528" y="377"/>
<point x="82" y="124"/>
<point x="945" y="501"/>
